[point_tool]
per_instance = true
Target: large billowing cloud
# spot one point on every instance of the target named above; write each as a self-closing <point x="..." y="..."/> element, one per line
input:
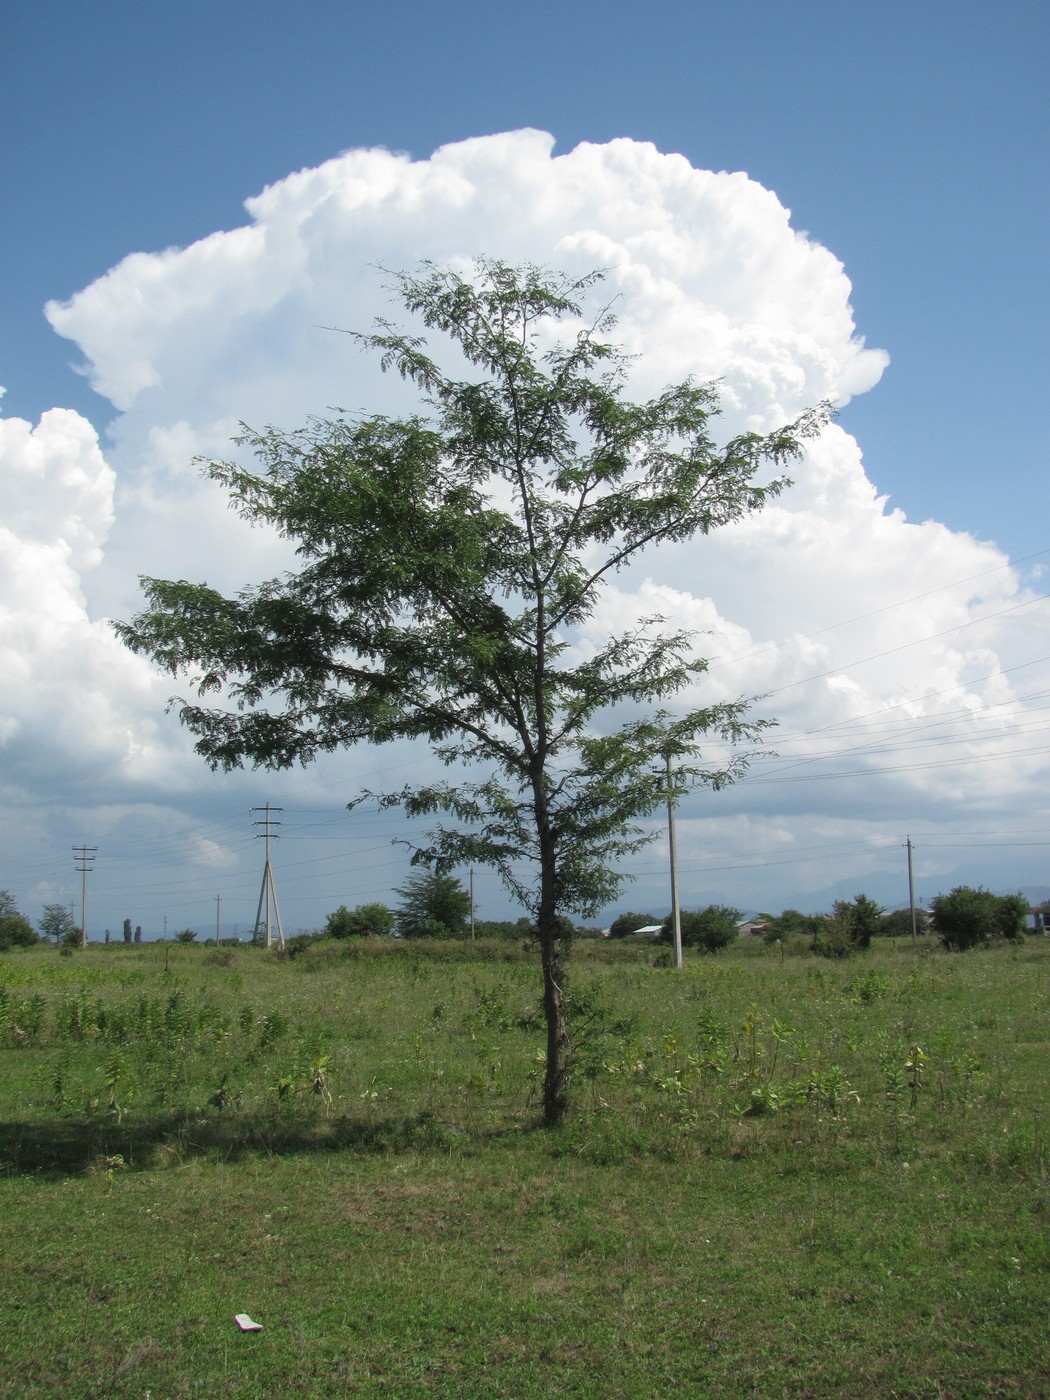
<point x="863" y="627"/>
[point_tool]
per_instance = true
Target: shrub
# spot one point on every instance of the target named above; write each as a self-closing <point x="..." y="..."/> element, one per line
<point x="626" y="924"/>
<point x="864" y="917"/>
<point x="897" y="924"/>
<point x="792" y="924"/>
<point x="967" y="917"/>
<point x="433" y="905"/>
<point x="710" y="929"/>
<point x="15" y="929"/>
<point x="833" y="936"/>
<point x="365" y="921"/>
<point x="510" y="929"/>
<point x="850" y="926"/>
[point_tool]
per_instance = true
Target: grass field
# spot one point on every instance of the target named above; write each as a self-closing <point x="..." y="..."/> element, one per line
<point x="783" y="1176"/>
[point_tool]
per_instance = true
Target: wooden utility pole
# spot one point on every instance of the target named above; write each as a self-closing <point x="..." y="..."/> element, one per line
<point x="218" y="905"/>
<point x="676" y="917"/>
<point x="911" y="890"/>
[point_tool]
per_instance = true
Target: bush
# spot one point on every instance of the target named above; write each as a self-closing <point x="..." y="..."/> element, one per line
<point x="851" y="925"/>
<point x="792" y="924"/>
<point x="710" y="929"/>
<point x="433" y="905"/>
<point x="365" y="921"/>
<point x="897" y="924"/>
<point x="864" y="917"/>
<point x="626" y="924"/>
<point x="510" y="929"/>
<point x="15" y="930"/>
<point x="833" y="936"/>
<point x="967" y="917"/>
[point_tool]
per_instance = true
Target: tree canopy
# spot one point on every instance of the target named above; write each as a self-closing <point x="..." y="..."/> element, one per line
<point x="433" y="905"/>
<point x="363" y="921"/>
<point x="448" y="562"/>
<point x="967" y="917"/>
<point x="712" y="928"/>
<point x="15" y="929"/>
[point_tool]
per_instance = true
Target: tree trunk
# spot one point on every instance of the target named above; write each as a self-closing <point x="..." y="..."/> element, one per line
<point x="556" y="1077"/>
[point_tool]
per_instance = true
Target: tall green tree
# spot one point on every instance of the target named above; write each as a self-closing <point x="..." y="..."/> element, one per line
<point x="57" y="922"/>
<point x="448" y="561"/>
<point x="15" y="929"/>
<point x="433" y="905"/>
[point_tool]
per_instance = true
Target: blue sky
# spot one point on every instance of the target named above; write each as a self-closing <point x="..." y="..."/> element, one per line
<point x="910" y="140"/>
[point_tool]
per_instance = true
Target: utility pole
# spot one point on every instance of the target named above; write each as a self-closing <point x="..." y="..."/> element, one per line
<point x="472" y="904"/>
<point x="218" y="906"/>
<point x="676" y="917"/>
<point x="84" y="857"/>
<point x="268" y="891"/>
<point x="911" y="891"/>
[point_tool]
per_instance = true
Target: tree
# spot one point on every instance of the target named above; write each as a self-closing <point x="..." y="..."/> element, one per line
<point x="790" y="924"/>
<point x="58" y="923"/>
<point x="15" y="929"/>
<point x="851" y="925"/>
<point x="865" y="918"/>
<point x="366" y="920"/>
<point x="127" y="931"/>
<point x="504" y="928"/>
<point x="626" y="924"/>
<point x="448" y="562"/>
<point x="433" y="905"/>
<point x="710" y="929"/>
<point x="966" y="917"/>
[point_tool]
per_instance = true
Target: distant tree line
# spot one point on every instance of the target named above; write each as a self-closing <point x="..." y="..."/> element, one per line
<point x="964" y="918"/>
<point x="436" y="905"/>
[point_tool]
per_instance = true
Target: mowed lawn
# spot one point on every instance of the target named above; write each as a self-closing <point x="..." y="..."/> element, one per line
<point x="783" y="1175"/>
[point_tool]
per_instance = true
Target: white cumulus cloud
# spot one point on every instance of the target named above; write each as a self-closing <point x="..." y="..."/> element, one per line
<point x="860" y="625"/>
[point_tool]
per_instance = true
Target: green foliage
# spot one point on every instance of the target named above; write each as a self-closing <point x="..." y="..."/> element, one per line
<point x="711" y="928"/>
<point x="792" y="924"/>
<point x="863" y="917"/>
<point x="967" y="917"/>
<point x="364" y="921"/>
<point x="57" y="923"/>
<point x="433" y="905"/>
<point x="897" y="924"/>
<point x="626" y="924"/>
<point x="185" y="935"/>
<point x="846" y="929"/>
<point x="15" y="929"/>
<point x="504" y="928"/>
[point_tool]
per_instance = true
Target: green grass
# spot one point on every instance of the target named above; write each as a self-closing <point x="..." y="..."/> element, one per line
<point x="750" y="1198"/>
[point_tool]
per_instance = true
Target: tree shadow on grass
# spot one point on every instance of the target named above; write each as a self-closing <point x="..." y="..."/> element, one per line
<point x="72" y="1146"/>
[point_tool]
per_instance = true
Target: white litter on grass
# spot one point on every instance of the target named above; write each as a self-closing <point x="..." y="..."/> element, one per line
<point x="245" y="1323"/>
